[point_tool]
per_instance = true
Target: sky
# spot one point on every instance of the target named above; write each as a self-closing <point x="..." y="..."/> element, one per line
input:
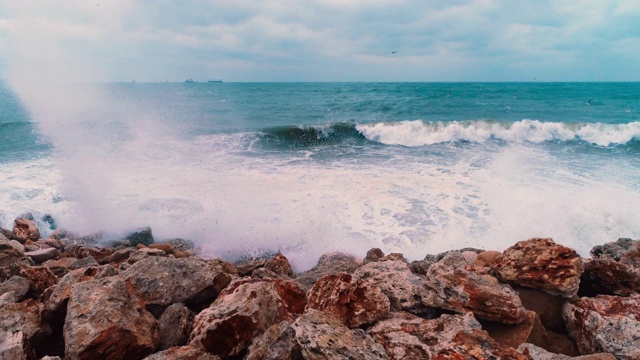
<point x="320" y="40"/>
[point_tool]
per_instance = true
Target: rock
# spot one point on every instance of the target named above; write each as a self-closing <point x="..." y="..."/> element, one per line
<point x="182" y="353"/>
<point x="406" y="336"/>
<point x="421" y="267"/>
<point x="85" y="262"/>
<point x="18" y="285"/>
<point x="164" y="281"/>
<point x="106" y="319"/>
<point x="118" y="255"/>
<point x="632" y="256"/>
<point x="42" y="255"/>
<point x="373" y="255"/>
<point x="53" y="243"/>
<point x="605" y="324"/>
<point x="246" y="267"/>
<point x="529" y="331"/>
<point x="152" y="252"/>
<point x="40" y="278"/>
<point x="5" y="243"/>
<point x="608" y="277"/>
<point x="175" y="325"/>
<point x="264" y="273"/>
<point x="137" y="256"/>
<point x="355" y="302"/>
<point x="314" y="336"/>
<point x="541" y="264"/>
<point x="97" y="253"/>
<point x="9" y="297"/>
<point x="140" y="236"/>
<point x="548" y="307"/>
<point x="486" y="258"/>
<point x="452" y="284"/>
<point x="533" y="352"/>
<point x="328" y="264"/>
<point x="280" y="265"/>
<point x="612" y="250"/>
<point x="23" y="317"/>
<point x="181" y="244"/>
<point x="401" y="286"/>
<point x="11" y="261"/>
<point x="24" y="229"/>
<point x="55" y="307"/>
<point x="59" y="267"/>
<point x="244" y="310"/>
<point x="13" y="346"/>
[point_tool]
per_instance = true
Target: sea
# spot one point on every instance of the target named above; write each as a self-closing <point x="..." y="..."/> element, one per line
<point x="244" y="169"/>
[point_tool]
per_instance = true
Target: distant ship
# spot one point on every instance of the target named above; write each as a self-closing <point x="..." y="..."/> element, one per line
<point x="215" y="81"/>
<point x="189" y="81"/>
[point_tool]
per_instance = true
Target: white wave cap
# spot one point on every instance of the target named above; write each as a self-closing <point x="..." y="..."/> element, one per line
<point x="419" y="133"/>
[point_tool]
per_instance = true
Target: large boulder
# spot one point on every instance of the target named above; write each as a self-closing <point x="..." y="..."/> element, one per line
<point x="397" y="282"/>
<point x="315" y="335"/>
<point x="605" y="324"/>
<point x="541" y="264"/>
<point x="40" y="277"/>
<point x="280" y="265"/>
<point x="25" y="229"/>
<point x="608" y="277"/>
<point x="613" y="250"/>
<point x="452" y="284"/>
<point x="164" y="281"/>
<point x="24" y="317"/>
<point x="106" y="319"/>
<point x="142" y="236"/>
<point x="406" y="336"/>
<point x="328" y="264"/>
<point x="244" y="310"/>
<point x="355" y="302"/>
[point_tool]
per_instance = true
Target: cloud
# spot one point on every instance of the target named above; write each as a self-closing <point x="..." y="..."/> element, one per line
<point x="327" y="40"/>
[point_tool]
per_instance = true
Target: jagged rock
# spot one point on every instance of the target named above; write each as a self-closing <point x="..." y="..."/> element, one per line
<point x="406" y="336"/>
<point x="355" y="302"/>
<point x="373" y="255"/>
<point x="164" y="281"/>
<point x="612" y="250"/>
<point x="42" y="255"/>
<point x="182" y="353"/>
<point x="56" y="305"/>
<point x="280" y="265"/>
<point x="605" y="324"/>
<point x="264" y="273"/>
<point x="529" y="331"/>
<point x="97" y="253"/>
<point x="175" y="325"/>
<point x="452" y="284"/>
<point x="40" y="278"/>
<point x="246" y="267"/>
<point x="107" y="319"/>
<point x="328" y="264"/>
<point x="314" y="336"/>
<point x="397" y="282"/>
<point x="118" y="255"/>
<point x="11" y="260"/>
<point x="140" y="236"/>
<point x="181" y="244"/>
<point x="9" y="297"/>
<point x="533" y="352"/>
<point x="608" y="277"/>
<point x="25" y="229"/>
<point x="53" y="243"/>
<point x="14" y="346"/>
<point x="6" y="243"/>
<point x="18" y="285"/>
<point x="421" y="267"/>
<point x="24" y="317"/>
<point x="60" y="267"/>
<point x="547" y="306"/>
<point x="137" y="256"/>
<point x="632" y="256"/>
<point x="541" y="264"/>
<point x="244" y="310"/>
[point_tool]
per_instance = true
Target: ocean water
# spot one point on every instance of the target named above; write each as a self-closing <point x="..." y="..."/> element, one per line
<point x="306" y="168"/>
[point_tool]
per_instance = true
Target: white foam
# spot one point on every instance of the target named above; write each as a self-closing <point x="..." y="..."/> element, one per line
<point x="419" y="133"/>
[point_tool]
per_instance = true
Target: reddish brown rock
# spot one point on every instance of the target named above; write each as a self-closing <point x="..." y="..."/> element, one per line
<point x="280" y="265"/>
<point x="608" y="277"/>
<point x="175" y="326"/>
<point x="355" y="302"/>
<point x="60" y="267"/>
<point x="182" y="353"/>
<point x="40" y="278"/>
<point x="328" y="264"/>
<point x="452" y="284"/>
<point x="98" y="253"/>
<point x="405" y="336"/>
<point x="548" y="307"/>
<point x="541" y="264"/>
<point x="106" y="319"/>
<point x="605" y="324"/>
<point x="244" y="310"/>
<point x="530" y="331"/>
<point x="24" y="229"/>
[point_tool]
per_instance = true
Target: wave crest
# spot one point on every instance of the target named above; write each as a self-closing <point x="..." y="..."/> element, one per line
<point x="419" y="133"/>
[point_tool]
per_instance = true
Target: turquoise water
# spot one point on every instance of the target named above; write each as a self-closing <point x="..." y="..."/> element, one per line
<point x="311" y="167"/>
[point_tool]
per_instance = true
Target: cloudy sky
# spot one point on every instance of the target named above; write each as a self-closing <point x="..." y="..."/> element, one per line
<point x="321" y="40"/>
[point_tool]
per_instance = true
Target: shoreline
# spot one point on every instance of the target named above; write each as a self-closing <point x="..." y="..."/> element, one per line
<point x="64" y="297"/>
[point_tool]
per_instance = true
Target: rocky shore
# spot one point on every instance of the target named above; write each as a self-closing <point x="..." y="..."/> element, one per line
<point x="71" y="297"/>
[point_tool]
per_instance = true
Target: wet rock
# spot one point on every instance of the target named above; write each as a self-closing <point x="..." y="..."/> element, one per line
<point x="608" y="277"/>
<point x="42" y="255"/>
<point x="406" y="336"/>
<point x="106" y="319"/>
<point x="164" y="281"/>
<point x="18" y="285"/>
<point x="612" y="250"/>
<point x="373" y="255"/>
<point x="355" y="302"/>
<point x="541" y="264"/>
<point x="328" y="264"/>
<point x="605" y="324"/>
<point x="140" y="236"/>
<point x="452" y="284"/>
<point x="244" y="310"/>
<point x="175" y="325"/>
<point x="25" y="229"/>
<point x="14" y="346"/>
<point x="182" y="353"/>
<point x="401" y="286"/>
<point x="280" y="265"/>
